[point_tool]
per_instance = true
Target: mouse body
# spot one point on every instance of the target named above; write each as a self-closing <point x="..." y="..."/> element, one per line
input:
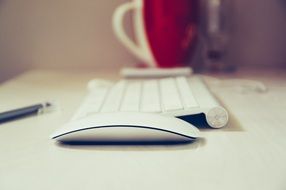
<point x="127" y="127"/>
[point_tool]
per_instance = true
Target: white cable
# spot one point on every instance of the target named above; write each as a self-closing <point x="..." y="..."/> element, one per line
<point x="242" y="85"/>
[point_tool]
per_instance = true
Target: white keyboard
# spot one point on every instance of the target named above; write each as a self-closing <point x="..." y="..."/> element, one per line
<point x="176" y="96"/>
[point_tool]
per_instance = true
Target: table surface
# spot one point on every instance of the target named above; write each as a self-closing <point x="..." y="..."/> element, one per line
<point x="250" y="153"/>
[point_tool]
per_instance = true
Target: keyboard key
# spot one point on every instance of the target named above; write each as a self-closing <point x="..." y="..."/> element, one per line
<point x="113" y="99"/>
<point x="150" y="97"/>
<point x="170" y="95"/>
<point x="185" y="91"/>
<point x="131" y="99"/>
<point x="93" y="102"/>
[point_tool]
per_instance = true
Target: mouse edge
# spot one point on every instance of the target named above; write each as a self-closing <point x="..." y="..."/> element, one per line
<point x="57" y="135"/>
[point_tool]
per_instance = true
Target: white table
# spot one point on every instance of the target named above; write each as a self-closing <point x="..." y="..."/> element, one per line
<point x="248" y="154"/>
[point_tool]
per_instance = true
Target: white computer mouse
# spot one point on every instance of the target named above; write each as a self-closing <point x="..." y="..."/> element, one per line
<point x="127" y="127"/>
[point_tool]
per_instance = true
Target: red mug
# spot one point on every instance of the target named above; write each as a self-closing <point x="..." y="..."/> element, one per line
<point x="165" y="30"/>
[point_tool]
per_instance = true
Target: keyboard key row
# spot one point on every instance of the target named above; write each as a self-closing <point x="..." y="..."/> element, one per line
<point x="156" y="95"/>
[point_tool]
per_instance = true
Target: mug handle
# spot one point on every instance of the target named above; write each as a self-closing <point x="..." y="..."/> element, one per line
<point x="117" y="22"/>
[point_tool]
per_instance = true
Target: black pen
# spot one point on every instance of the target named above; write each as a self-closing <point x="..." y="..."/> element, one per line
<point x="24" y="112"/>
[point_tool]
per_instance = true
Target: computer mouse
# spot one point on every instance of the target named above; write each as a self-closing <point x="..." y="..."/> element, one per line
<point x="127" y="127"/>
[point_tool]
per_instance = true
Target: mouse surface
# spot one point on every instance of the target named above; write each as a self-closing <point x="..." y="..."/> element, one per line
<point x="127" y="127"/>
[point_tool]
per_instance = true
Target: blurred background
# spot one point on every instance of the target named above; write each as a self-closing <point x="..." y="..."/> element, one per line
<point x="72" y="34"/>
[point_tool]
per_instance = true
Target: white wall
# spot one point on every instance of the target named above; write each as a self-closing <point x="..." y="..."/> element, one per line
<point x="77" y="34"/>
<point x="58" y="34"/>
<point x="259" y="33"/>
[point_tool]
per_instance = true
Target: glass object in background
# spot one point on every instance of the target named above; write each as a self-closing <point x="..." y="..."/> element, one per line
<point x="215" y="34"/>
<point x="165" y="31"/>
